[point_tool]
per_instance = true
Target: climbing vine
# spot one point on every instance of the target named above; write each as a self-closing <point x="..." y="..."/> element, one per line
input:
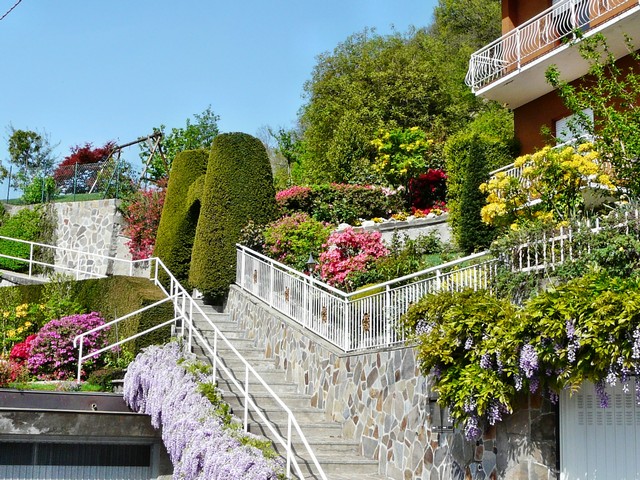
<point x="483" y="351"/>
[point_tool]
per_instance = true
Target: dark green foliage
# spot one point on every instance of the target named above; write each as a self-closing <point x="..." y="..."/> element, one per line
<point x="104" y="376"/>
<point x="24" y="225"/>
<point x="469" y="159"/>
<point x="115" y="297"/>
<point x="238" y="188"/>
<point x="177" y="228"/>
<point x="340" y="203"/>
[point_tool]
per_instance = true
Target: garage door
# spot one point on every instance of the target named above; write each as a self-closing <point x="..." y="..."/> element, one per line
<point x="600" y="443"/>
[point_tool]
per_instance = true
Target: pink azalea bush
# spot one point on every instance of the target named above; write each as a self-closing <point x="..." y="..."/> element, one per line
<point x="198" y="444"/>
<point x="52" y="354"/>
<point x="347" y="252"/>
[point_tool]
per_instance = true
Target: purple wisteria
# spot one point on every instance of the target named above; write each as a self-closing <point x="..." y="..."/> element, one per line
<point x="528" y="360"/>
<point x="197" y="442"/>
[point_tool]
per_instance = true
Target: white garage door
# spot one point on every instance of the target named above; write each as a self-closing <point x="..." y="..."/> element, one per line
<point x="600" y="443"/>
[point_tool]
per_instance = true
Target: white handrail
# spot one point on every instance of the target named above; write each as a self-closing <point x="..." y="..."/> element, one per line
<point x="185" y="307"/>
<point x="179" y="292"/>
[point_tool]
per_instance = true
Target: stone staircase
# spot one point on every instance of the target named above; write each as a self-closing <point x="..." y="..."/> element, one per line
<point x="340" y="458"/>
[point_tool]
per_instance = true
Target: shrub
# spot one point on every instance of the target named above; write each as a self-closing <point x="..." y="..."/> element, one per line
<point x="142" y="216"/>
<point x="177" y="227"/>
<point x="11" y="371"/>
<point x="20" y="351"/>
<point x="427" y="189"/>
<point x="19" y="322"/>
<point x="291" y="239"/>
<point x="295" y="199"/>
<point x="252" y="236"/>
<point x="469" y="159"/>
<point x="52" y="352"/>
<point x="238" y="188"/>
<point x="25" y="225"/>
<point x="347" y="252"/>
<point x="39" y="190"/>
<point x="341" y="203"/>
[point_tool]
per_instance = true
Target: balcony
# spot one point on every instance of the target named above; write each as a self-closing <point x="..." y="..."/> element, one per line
<point x="511" y="69"/>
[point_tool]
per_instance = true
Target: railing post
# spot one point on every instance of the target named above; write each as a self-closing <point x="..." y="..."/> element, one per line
<point x="289" y="449"/>
<point x="190" y="324"/>
<point x="243" y="264"/>
<point x="215" y="355"/>
<point x="30" y="259"/>
<point x="271" y="281"/>
<point x="347" y="324"/>
<point x="80" y="359"/>
<point x="246" y="398"/>
<point x="387" y="315"/>
<point x="518" y="48"/>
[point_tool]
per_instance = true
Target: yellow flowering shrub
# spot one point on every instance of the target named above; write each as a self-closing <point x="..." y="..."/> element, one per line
<point x="19" y="322"/>
<point x="548" y="188"/>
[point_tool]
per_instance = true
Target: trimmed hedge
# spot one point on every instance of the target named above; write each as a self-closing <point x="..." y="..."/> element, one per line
<point x="114" y="297"/>
<point x="27" y="224"/>
<point x="177" y="227"/>
<point x="238" y="188"/>
<point x="469" y="159"/>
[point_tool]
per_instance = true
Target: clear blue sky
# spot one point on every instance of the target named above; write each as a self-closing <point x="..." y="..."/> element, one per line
<point x="88" y="71"/>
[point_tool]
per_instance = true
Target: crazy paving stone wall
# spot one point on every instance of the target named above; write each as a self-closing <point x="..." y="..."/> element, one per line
<point x="92" y="227"/>
<point x="380" y="399"/>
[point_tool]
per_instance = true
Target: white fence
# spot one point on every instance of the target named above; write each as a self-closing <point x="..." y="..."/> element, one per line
<point x="548" y="250"/>
<point x="367" y="318"/>
<point x="536" y="37"/>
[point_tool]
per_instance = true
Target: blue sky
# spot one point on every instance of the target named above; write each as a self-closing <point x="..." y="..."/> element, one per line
<point x="88" y="71"/>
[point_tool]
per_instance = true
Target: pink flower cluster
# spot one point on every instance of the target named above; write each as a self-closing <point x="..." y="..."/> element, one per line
<point x="349" y="251"/>
<point x="52" y="354"/>
<point x="143" y="217"/>
<point x="292" y="192"/>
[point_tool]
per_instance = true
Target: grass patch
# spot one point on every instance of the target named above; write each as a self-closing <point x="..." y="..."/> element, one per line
<point x="66" y="386"/>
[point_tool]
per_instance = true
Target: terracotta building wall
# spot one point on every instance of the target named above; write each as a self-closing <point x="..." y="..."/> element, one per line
<point x="516" y="12"/>
<point x="545" y="111"/>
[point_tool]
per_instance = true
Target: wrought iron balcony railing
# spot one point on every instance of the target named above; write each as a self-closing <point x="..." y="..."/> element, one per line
<point x="538" y="36"/>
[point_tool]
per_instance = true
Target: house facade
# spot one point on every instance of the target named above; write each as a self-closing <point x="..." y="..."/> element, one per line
<point x="537" y="34"/>
<point x="591" y="442"/>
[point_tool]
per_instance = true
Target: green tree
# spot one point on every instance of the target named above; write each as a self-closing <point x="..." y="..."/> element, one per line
<point x="371" y="82"/>
<point x="611" y="91"/>
<point x="196" y="134"/>
<point x="31" y="153"/>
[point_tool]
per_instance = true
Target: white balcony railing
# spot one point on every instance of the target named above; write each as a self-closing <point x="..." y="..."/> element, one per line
<point x="537" y="36"/>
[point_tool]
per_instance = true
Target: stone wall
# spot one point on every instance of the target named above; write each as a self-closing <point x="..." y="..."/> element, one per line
<point x="92" y="227"/>
<point x="380" y="399"/>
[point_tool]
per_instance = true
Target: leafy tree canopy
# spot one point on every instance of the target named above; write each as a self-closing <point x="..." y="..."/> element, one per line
<point x="196" y="134"/>
<point x="371" y="82"/>
<point x="30" y="152"/>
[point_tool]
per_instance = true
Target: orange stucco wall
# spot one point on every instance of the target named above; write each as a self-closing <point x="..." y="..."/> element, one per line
<point x="516" y="12"/>
<point x="545" y="111"/>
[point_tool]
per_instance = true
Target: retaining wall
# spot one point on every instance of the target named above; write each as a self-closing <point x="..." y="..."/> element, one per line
<point x="380" y="399"/>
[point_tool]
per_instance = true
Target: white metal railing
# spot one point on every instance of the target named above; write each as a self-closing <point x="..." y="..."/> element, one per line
<point x="82" y="265"/>
<point x="535" y="37"/>
<point x="552" y="249"/>
<point x="367" y="318"/>
<point x="185" y="308"/>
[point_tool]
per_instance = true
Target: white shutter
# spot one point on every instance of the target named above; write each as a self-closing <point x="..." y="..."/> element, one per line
<point x="600" y="443"/>
<point x="564" y="133"/>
